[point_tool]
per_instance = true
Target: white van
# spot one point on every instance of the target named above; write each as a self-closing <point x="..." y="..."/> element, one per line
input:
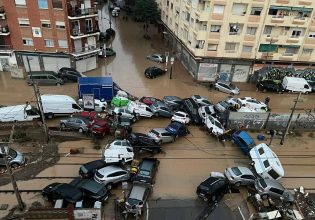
<point x="119" y="151"/>
<point x="295" y="84"/>
<point x="18" y="113"/>
<point x="266" y="162"/>
<point x="140" y="109"/>
<point x="59" y="105"/>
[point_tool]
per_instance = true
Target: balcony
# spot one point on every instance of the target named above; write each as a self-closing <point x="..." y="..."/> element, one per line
<point x="87" y="31"/>
<point x="277" y="19"/>
<point x="79" y="13"/>
<point x="293" y="39"/>
<point x="89" y="49"/>
<point x="202" y="15"/>
<point x="6" y="48"/>
<point x="299" y="20"/>
<point x="4" y="30"/>
<point x="272" y="39"/>
<point x="305" y="2"/>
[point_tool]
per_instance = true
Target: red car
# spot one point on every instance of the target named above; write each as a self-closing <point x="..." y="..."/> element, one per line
<point x="148" y="100"/>
<point x="88" y="115"/>
<point x="100" y="127"/>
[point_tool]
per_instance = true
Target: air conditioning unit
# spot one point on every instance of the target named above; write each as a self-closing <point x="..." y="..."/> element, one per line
<point x="2" y="16"/>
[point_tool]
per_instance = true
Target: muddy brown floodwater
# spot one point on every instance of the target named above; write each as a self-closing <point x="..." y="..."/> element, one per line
<point x="185" y="163"/>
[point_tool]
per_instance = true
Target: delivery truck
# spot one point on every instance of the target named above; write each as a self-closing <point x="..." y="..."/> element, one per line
<point x="295" y="84"/>
<point x="24" y="112"/>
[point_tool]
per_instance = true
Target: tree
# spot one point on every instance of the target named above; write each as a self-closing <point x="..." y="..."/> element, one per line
<point x="147" y="11"/>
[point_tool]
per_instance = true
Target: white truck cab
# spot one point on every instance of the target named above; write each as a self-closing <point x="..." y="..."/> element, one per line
<point x="119" y="151"/>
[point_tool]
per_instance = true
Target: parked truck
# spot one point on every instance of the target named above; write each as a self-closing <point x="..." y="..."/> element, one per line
<point x="100" y="87"/>
<point x="295" y="84"/>
<point x="54" y="105"/>
<point x="18" y="113"/>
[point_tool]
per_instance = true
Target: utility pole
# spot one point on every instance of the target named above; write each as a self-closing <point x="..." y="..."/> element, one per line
<point x="40" y="108"/>
<point x="290" y="119"/>
<point x="15" y="187"/>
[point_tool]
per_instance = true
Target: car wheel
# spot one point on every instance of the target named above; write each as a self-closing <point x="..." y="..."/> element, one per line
<point x="205" y="199"/>
<point x="50" y="116"/>
<point x="210" y="130"/>
<point x="188" y="132"/>
<point x="305" y="93"/>
<point x="238" y="184"/>
<point x="62" y="126"/>
<point x="134" y="119"/>
<point x="81" y="130"/>
<point x="15" y="165"/>
<point x="231" y="93"/>
<point x="109" y="186"/>
<point x="57" y="84"/>
<point x="156" y="114"/>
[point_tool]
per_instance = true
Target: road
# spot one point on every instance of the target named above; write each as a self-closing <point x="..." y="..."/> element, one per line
<point x="185" y="163"/>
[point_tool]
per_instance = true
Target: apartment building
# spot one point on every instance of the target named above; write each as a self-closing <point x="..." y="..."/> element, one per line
<point x="228" y="39"/>
<point x="50" y="34"/>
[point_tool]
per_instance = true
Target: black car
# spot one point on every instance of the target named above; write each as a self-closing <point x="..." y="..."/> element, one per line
<point x="70" y="74"/>
<point x="91" y="189"/>
<point x="212" y="187"/>
<point x="63" y="191"/>
<point x="269" y="85"/>
<point x="191" y="107"/>
<point x="153" y="72"/>
<point x="147" y="170"/>
<point x="141" y="141"/>
<point x="88" y="170"/>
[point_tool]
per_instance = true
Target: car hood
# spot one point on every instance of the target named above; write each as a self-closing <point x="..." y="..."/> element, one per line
<point x="171" y="129"/>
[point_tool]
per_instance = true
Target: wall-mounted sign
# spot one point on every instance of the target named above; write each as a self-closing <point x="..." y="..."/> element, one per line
<point x="36" y="32"/>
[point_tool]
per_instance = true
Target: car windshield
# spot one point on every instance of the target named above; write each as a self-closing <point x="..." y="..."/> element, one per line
<point x="144" y="173"/>
<point x="218" y="124"/>
<point x="236" y="171"/>
<point x="154" y="132"/>
<point x="12" y="153"/>
<point x="206" y="102"/>
<point x="232" y="86"/>
<point x="224" y="104"/>
<point x="133" y="201"/>
<point x="83" y="169"/>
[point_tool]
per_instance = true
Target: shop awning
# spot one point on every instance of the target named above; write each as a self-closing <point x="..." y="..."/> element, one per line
<point x="268" y="47"/>
<point x="291" y="46"/>
<point x="281" y="8"/>
<point x="302" y="9"/>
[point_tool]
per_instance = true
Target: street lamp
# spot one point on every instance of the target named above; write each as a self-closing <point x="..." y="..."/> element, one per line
<point x="172" y="61"/>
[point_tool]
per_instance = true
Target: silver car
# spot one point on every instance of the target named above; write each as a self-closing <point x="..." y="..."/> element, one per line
<point x="137" y="198"/>
<point x="272" y="188"/>
<point x="124" y="112"/>
<point x="110" y="175"/>
<point x="160" y="135"/>
<point x="16" y="158"/>
<point x="227" y="87"/>
<point x="75" y="123"/>
<point x="161" y="109"/>
<point x="173" y="102"/>
<point x="240" y="176"/>
<point x="160" y="58"/>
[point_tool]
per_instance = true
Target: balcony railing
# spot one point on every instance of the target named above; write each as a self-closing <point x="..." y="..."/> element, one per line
<point x="83" y="31"/>
<point x="86" y="50"/>
<point x="6" y="47"/>
<point x="78" y="12"/>
<point x="4" y="29"/>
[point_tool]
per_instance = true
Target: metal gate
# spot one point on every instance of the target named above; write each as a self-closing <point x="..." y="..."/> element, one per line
<point x="55" y="63"/>
<point x="33" y="63"/>
<point x="86" y="64"/>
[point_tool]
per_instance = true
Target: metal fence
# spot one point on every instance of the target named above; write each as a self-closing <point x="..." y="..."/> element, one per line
<point x="271" y="120"/>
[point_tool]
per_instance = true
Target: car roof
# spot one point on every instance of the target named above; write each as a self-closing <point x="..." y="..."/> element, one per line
<point x="176" y="98"/>
<point x="109" y="169"/>
<point x="273" y="183"/>
<point x="94" y="164"/>
<point x="160" y="130"/>
<point x="147" y="164"/>
<point x="137" y="191"/>
<point x="245" y="136"/>
<point x="224" y="82"/>
<point x="89" y="185"/>
<point x="244" y="170"/>
<point x="68" y="189"/>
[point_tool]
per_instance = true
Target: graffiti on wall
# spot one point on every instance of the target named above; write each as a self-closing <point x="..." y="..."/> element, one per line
<point x="240" y="73"/>
<point x="248" y="120"/>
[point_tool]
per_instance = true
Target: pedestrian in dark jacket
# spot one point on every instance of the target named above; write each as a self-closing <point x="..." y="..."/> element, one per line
<point x="267" y="100"/>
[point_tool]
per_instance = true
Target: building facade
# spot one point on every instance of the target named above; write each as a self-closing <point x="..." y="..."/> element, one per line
<point x="51" y="34"/>
<point x="228" y="39"/>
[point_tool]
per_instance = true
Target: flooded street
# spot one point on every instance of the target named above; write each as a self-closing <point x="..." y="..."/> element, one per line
<point x="188" y="161"/>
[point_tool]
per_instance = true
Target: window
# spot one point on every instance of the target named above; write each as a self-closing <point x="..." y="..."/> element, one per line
<point x="24" y="22"/>
<point x="311" y="35"/>
<point x="45" y="24"/>
<point x="215" y="28"/>
<point x="261" y="151"/>
<point x="212" y="47"/>
<point x="290" y="51"/>
<point x="218" y="9"/>
<point x="49" y="43"/>
<point x="296" y="34"/>
<point x="307" y="52"/>
<point x="234" y="29"/>
<point x="256" y="11"/>
<point x="268" y="29"/>
<point x="277" y="191"/>
<point x="56" y="3"/>
<point x="75" y="106"/>
<point x="247" y="49"/>
<point x="230" y="46"/>
<point x="20" y="2"/>
<point x="42" y="4"/>
<point x="266" y="163"/>
<point x="172" y="6"/>
<point x="200" y="44"/>
<point x="239" y="9"/>
<point x="28" y="41"/>
<point x="60" y="24"/>
<point x="187" y="17"/>
<point x="251" y="30"/>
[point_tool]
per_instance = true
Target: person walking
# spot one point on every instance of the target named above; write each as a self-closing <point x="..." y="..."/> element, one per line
<point x="267" y="100"/>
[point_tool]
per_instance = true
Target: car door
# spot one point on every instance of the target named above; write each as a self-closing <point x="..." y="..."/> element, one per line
<point x="71" y="123"/>
<point x="167" y="137"/>
<point x="122" y="175"/>
<point x="78" y="124"/>
<point x="2" y="159"/>
<point x="275" y="192"/>
<point x="248" y="179"/>
<point x="113" y="177"/>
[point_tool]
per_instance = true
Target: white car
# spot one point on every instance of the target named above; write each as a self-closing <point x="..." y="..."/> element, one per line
<point x="140" y="109"/>
<point x="181" y="117"/>
<point x="214" y="126"/>
<point x="123" y="111"/>
<point x="253" y="103"/>
<point x="205" y="111"/>
<point x="233" y="101"/>
<point x="119" y="151"/>
<point x="201" y="101"/>
<point x="115" y="13"/>
<point x="246" y="109"/>
<point x="99" y="105"/>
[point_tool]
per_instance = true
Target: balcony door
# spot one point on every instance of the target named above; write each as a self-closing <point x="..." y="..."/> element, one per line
<point x="78" y="45"/>
<point x="89" y="25"/>
<point x="75" y="27"/>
